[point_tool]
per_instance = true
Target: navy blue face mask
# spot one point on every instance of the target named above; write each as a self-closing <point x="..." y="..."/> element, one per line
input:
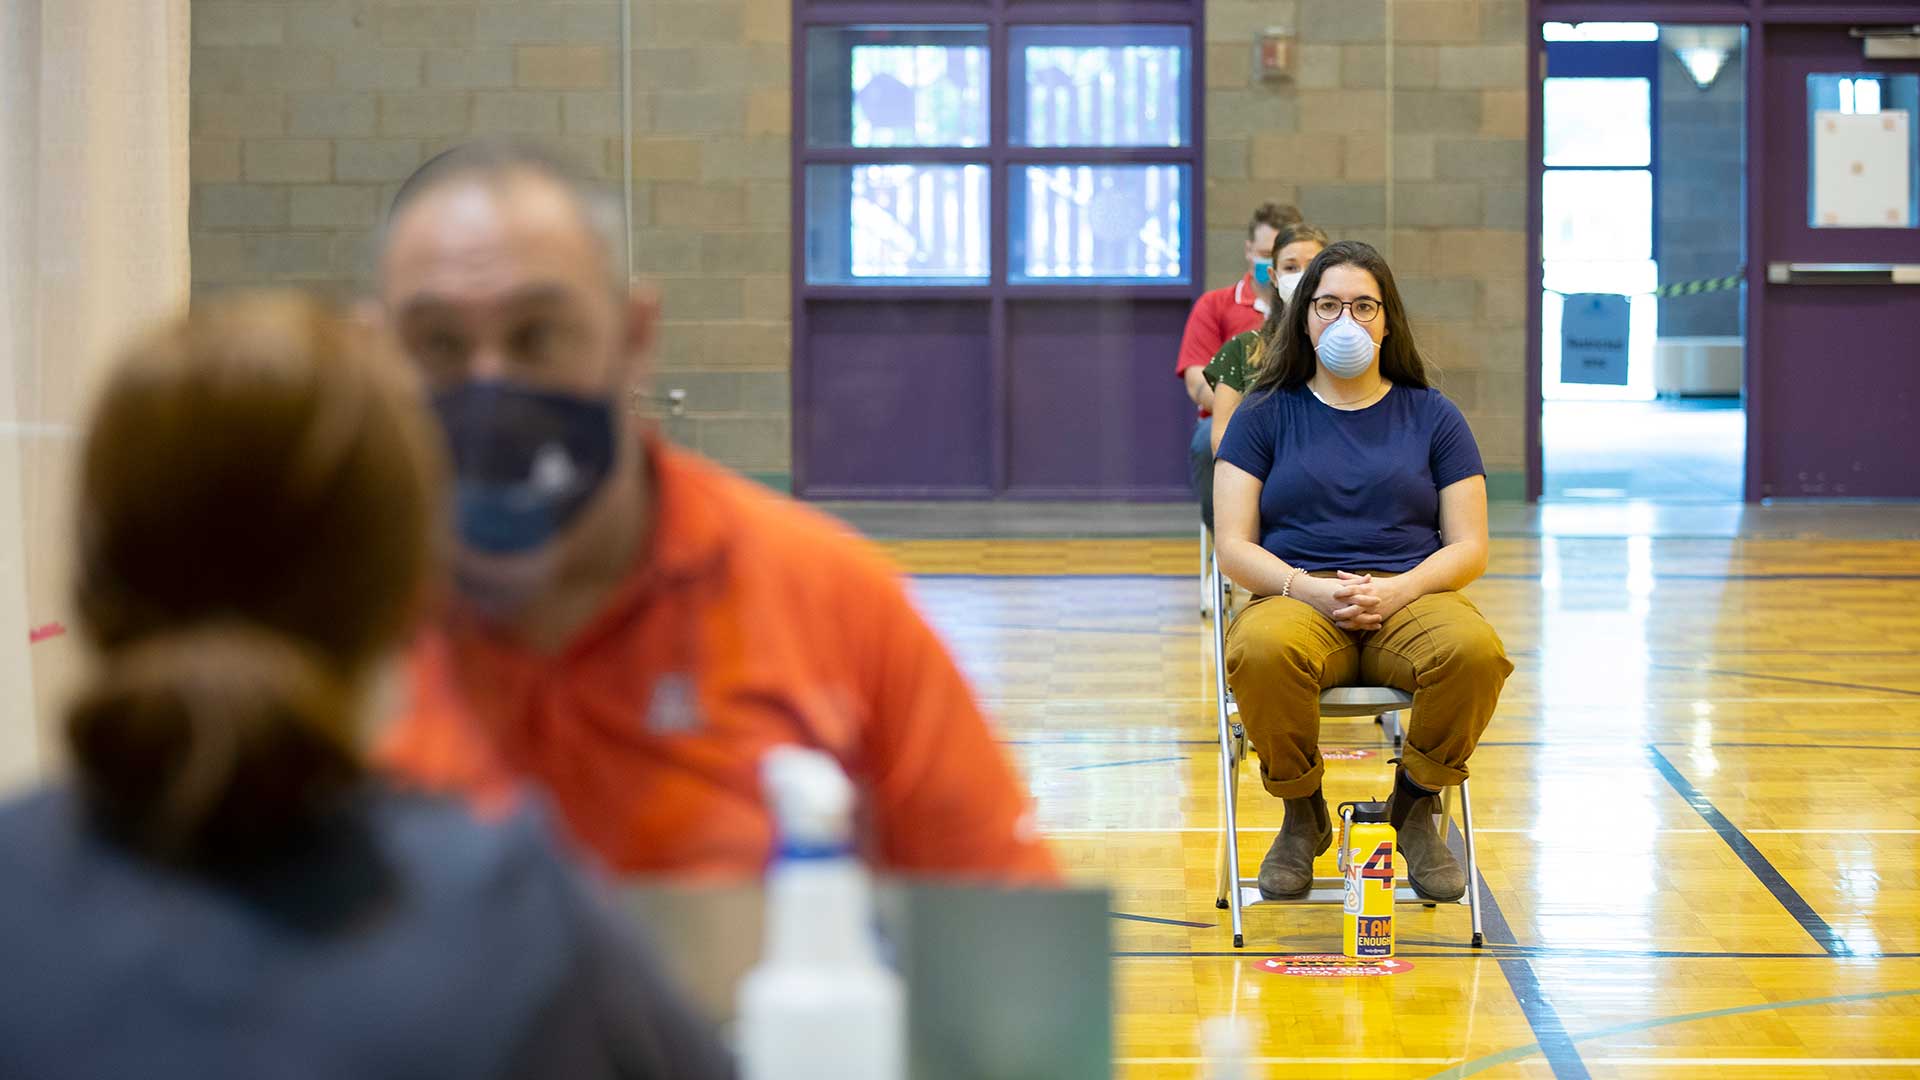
<point x="525" y="462"/>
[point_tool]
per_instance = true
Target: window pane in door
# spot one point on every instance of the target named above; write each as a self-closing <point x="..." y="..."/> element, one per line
<point x="1095" y="223"/>
<point x="885" y="86"/>
<point x="892" y="224"/>
<point x="1863" y="151"/>
<point x="1601" y="215"/>
<point x="1598" y="122"/>
<point x="1100" y="86"/>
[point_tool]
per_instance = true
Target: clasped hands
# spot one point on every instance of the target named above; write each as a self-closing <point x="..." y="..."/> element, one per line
<point x="1356" y="602"/>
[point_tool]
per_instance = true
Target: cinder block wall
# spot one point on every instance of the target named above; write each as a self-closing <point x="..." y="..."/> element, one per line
<point x="1404" y="125"/>
<point x="307" y="112"/>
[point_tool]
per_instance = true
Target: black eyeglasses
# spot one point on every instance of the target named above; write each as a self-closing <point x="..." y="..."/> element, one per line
<point x="1328" y="308"/>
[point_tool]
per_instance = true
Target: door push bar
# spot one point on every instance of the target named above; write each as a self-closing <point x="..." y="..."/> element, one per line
<point x="1793" y="273"/>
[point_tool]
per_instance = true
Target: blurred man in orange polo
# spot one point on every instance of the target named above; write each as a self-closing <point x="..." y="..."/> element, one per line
<point x="633" y="627"/>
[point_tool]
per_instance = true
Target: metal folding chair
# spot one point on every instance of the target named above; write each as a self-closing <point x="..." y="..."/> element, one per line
<point x="1383" y="704"/>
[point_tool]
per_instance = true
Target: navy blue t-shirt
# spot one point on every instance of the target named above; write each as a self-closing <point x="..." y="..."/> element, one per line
<point x="1355" y="490"/>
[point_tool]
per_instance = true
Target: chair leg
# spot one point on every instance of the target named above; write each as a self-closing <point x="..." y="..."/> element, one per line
<point x="1209" y="586"/>
<point x="1473" y="864"/>
<point x="1229" y="870"/>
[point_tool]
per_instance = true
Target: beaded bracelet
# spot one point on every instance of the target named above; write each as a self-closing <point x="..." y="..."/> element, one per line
<point x="1288" y="590"/>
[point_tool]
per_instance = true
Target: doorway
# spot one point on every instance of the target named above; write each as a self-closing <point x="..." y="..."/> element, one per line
<point x="1643" y="218"/>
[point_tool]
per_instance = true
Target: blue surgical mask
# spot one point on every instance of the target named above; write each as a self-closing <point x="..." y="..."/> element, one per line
<point x="1262" y="273"/>
<point x="525" y="462"/>
<point x="1346" y="349"/>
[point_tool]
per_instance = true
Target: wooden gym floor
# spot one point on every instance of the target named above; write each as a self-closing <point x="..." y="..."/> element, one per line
<point x="1698" y="807"/>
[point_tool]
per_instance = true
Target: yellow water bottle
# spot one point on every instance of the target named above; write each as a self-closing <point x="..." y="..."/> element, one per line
<point x="1366" y="859"/>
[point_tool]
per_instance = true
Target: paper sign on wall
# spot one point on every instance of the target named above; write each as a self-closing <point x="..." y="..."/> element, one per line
<point x="1860" y="170"/>
<point x="1593" y="339"/>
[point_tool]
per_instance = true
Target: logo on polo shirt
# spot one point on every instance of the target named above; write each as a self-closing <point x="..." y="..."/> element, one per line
<point x="675" y="708"/>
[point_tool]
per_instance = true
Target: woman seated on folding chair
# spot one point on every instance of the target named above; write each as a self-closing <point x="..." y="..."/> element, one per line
<point x="1351" y="501"/>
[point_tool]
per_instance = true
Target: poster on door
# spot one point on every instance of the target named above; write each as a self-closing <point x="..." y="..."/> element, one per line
<point x="1593" y="339"/>
<point x="1861" y="165"/>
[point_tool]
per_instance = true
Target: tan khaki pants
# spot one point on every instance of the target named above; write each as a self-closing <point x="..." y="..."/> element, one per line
<point x="1281" y="653"/>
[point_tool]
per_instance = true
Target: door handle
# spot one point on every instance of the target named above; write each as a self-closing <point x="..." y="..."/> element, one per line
<point x="1794" y="273"/>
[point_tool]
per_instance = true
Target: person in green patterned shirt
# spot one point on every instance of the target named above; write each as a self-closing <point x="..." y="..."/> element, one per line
<point x="1231" y="371"/>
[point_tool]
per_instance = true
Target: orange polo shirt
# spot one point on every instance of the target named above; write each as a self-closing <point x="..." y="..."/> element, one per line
<point x="748" y="622"/>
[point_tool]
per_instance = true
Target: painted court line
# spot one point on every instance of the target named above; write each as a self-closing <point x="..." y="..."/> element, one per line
<point x="1493" y="1061"/>
<point x="1762" y="1062"/>
<point x="1776" y="883"/>
<point x="1105" y="829"/>
<point x="1288" y="1061"/>
<point x="1563" y="1057"/>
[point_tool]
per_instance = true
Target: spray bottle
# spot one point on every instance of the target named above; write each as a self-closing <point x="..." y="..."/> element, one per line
<point x="820" y="1006"/>
<point x="1366" y="859"/>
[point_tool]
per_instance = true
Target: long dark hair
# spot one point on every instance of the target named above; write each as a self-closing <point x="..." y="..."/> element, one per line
<point x="258" y="508"/>
<point x="1296" y="233"/>
<point x="1287" y="351"/>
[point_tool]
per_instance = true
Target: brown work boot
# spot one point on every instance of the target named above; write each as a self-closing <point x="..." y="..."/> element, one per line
<point x="1287" y="871"/>
<point x="1430" y="868"/>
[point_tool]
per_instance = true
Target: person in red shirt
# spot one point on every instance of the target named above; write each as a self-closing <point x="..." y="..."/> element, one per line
<point x="1218" y="317"/>
<point x="632" y="627"/>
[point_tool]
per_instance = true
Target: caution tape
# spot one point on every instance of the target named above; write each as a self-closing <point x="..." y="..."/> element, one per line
<point x="1704" y="285"/>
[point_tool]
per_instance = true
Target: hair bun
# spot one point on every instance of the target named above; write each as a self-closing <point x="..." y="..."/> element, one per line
<point x="213" y="741"/>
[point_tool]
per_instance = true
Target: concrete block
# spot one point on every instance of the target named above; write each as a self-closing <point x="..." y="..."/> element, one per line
<point x="770" y="296"/>
<point x="334" y="205"/>
<point x="375" y="161"/>
<point x="1503" y="21"/>
<point x="1504" y="206"/>
<point x="1229" y="159"/>
<point x="333" y="115"/>
<point x="1238" y="21"/>
<point x="766" y="392"/>
<point x="1295" y="158"/>
<point x="668" y="159"/>
<point x="770" y="112"/>
<point x="1438" y="22"/>
<point x="1365" y="158"/>
<point x="219" y="69"/>
<point x="743" y="253"/>
<point x="696" y="204"/>
<point x="1231" y="202"/>
<point x="556" y="23"/>
<point x="666" y="69"/>
<point x="1437" y="112"/>
<point x="1480" y="159"/>
<point x="239" y="115"/>
<point x="1441" y="298"/>
<point x="702" y="296"/>
<point x="516" y="112"/>
<point x="378" y="69"/>
<point x="1261" y="110"/>
<point x="1343" y="112"/>
<point x="1334" y="206"/>
<point x="1437" y="204"/>
<point x="1343" y="21"/>
<point x="770" y="202"/>
<point x="699" y="112"/>
<point x="439" y="26"/>
<point x="1229" y="66"/>
<point x="479" y="68"/>
<point x="1363" y="67"/>
<point x="704" y="22"/>
<point x="288" y="69"/>
<point x="767" y="22"/>
<point x="325" y="25"/>
<point x="746" y="159"/>
<point x="1476" y="67"/>
<point x="1413" y="157"/>
<point x="590" y="113"/>
<point x="238" y="23"/>
<point x="290" y="256"/>
<point x="1315" y="67"/>
<point x="213" y="161"/>
<point x="748" y="443"/>
<point x="281" y="161"/>
<point x="669" y="250"/>
<point x="1415" y="67"/>
<point x="442" y="114"/>
<point x="565" y="67"/>
<point x="1503" y="113"/>
<point x="1503" y="302"/>
<point x="239" y="206"/>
